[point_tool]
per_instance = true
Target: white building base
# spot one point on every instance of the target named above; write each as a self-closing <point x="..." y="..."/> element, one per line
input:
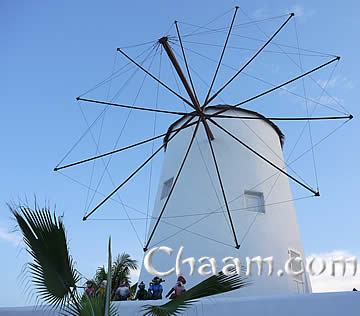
<point x="329" y="304"/>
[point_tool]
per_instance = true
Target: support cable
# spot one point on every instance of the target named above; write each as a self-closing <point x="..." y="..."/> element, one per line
<point x="249" y="61"/>
<point x="120" y="149"/>
<point x="316" y="193"/>
<point x="202" y="156"/>
<point x="311" y="114"/>
<point x="98" y="117"/>
<point x="116" y="73"/>
<point x="254" y="50"/>
<point x="319" y="142"/>
<point x="225" y="28"/>
<point x="133" y="173"/>
<point x="222" y="30"/>
<point x="198" y="145"/>
<point x="223" y="193"/>
<point x="185" y="61"/>
<point x="152" y="148"/>
<point x="208" y="23"/>
<point x="212" y="213"/>
<point x="173" y="185"/>
<point x="132" y="107"/>
<point x="299" y="66"/>
<point x="106" y="170"/>
<point x="266" y="82"/>
<point x="281" y="85"/>
<point x="216" y="211"/>
<point x="156" y="79"/>
<point x="221" y="56"/>
<point x="106" y="165"/>
<point x="254" y="187"/>
<point x="86" y="208"/>
<point x="307" y="110"/>
<point x="257" y="213"/>
<point x="258" y="136"/>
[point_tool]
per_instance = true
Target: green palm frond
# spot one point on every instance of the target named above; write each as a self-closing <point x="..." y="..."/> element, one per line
<point x="90" y="306"/>
<point x="216" y="284"/>
<point x="100" y="275"/>
<point x="121" y="268"/>
<point x="52" y="270"/>
<point x="108" y="285"/>
<point x="133" y="290"/>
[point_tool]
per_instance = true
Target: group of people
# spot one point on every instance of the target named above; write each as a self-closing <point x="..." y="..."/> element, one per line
<point x="123" y="293"/>
<point x="91" y="290"/>
<point x="155" y="290"/>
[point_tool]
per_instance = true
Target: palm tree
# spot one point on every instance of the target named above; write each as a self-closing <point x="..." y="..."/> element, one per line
<point x="52" y="270"/>
<point x="216" y="284"/>
<point x="122" y="266"/>
<point x="55" y="277"/>
<point x="121" y="269"/>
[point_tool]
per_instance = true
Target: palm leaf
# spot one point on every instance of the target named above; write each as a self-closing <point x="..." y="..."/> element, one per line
<point x="133" y="290"/>
<point x="91" y="306"/>
<point x="121" y="268"/>
<point x="52" y="270"/>
<point x="99" y="305"/>
<point x="108" y="284"/>
<point x="100" y="275"/>
<point x="216" y="284"/>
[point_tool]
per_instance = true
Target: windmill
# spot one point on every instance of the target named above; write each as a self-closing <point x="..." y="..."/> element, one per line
<point x="220" y="154"/>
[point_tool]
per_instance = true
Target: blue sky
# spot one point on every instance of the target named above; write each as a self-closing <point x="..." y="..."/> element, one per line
<point x="54" y="51"/>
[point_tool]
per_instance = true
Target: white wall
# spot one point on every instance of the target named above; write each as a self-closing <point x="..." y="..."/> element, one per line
<point x="198" y="191"/>
<point x="327" y="304"/>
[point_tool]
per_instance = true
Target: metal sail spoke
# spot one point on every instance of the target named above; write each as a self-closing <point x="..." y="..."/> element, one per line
<point x="265" y="81"/>
<point x="173" y="186"/>
<point x="155" y="78"/>
<point x="281" y="85"/>
<point x="249" y="61"/>
<point x="221" y="56"/>
<point x="185" y="60"/>
<point x="121" y="149"/>
<point x="134" y="173"/>
<point x="318" y="118"/>
<point x="208" y="116"/>
<point x="316" y="193"/>
<point x="132" y="107"/>
<point x="237" y="246"/>
<point x="196" y="105"/>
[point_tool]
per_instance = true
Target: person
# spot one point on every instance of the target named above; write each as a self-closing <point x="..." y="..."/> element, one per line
<point x="141" y="293"/>
<point x="102" y="289"/>
<point x="122" y="293"/>
<point x="155" y="289"/>
<point x="178" y="288"/>
<point x="90" y="288"/>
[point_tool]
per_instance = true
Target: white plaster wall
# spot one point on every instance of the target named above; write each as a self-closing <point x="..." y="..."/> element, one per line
<point x="198" y="191"/>
<point x="327" y="304"/>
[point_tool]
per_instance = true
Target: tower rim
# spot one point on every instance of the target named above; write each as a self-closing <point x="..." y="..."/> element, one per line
<point x="225" y="107"/>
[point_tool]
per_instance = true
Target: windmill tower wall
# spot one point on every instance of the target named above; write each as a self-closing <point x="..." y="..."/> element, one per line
<point x="196" y="217"/>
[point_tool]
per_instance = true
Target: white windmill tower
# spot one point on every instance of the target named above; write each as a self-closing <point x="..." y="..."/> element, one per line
<point x="240" y="158"/>
<point x="250" y="221"/>
<point x="224" y="189"/>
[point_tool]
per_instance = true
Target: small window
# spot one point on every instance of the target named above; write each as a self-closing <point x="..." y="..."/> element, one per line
<point x="254" y="201"/>
<point x="296" y="265"/>
<point x="166" y="188"/>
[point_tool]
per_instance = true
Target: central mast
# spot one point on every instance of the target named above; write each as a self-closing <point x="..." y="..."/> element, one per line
<point x="195" y="102"/>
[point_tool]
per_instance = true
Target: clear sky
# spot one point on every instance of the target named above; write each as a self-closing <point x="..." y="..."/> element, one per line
<point x="53" y="51"/>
